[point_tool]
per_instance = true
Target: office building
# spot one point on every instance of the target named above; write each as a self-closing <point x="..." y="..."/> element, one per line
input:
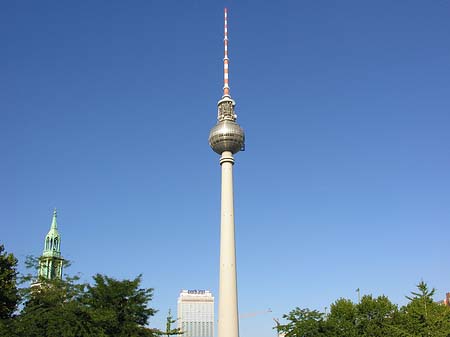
<point x="196" y="313"/>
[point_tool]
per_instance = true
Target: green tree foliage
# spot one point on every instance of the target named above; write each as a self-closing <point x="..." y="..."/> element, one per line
<point x="9" y="295"/>
<point x="343" y="318"/>
<point x="424" y="317"/>
<point x="373" y="317"/>
<point x="120" y="307"/>
<point x="169" y="331"/>
<point x="68" y="308"/>
<point x="65" y="308"/>
<point x="304" y="323"/>
<point x="55" y="308"/>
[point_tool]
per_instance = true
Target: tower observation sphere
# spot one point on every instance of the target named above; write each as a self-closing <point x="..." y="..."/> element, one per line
<point x="226" y="135"/>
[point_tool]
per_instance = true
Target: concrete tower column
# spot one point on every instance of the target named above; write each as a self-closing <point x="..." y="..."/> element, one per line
<point x="228" y="325"/>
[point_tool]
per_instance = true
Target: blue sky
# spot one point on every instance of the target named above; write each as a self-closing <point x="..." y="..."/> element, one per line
<point x="105" y="112"/>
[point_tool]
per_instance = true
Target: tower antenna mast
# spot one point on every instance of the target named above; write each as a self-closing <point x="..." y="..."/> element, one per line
<point x="226" y="88"/>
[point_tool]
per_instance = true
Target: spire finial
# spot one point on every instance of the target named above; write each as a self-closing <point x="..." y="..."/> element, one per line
<point x="54" y="224"/>
<point x="226" y="88"/>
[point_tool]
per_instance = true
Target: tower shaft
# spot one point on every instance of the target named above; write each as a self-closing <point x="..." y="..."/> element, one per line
<point x="228" y="323"/>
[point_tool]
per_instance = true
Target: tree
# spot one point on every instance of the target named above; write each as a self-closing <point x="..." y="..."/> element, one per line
<point x="342" y="318"/>
<point x="370" y="317"/>
<point x="375" y="316"/>
<point x="66" y="308"/>
<point x="169" y="331"/>
<point x="119" y="308"/>
<point x="304" y="323"/>
<point x="424" y="317"/>
<point x="55" y="308"/>
<point x="9" y="295"/>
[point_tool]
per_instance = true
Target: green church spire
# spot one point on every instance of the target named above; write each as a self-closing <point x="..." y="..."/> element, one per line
<point x="51" y="262"/>
<point x="54" y="224"/>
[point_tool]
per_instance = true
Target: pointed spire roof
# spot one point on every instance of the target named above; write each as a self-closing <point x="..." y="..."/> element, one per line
<point x="54" y="224"/>
<point x="53" y="232"/>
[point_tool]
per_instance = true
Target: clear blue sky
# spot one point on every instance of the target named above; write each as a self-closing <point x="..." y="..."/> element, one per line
<point x="105" y="112"/>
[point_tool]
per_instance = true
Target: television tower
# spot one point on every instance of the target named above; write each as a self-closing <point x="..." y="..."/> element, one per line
<point x="227" y="138"/>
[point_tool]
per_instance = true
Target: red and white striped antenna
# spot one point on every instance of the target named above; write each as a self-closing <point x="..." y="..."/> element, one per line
<point x="226" y="88"/>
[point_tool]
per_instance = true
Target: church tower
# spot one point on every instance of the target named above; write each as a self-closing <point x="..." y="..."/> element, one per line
<point x="51" y="262"/>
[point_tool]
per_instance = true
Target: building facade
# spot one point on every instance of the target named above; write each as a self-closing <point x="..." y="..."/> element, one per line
<point x="196" y="313"/>
<point x="446" y="301"/>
